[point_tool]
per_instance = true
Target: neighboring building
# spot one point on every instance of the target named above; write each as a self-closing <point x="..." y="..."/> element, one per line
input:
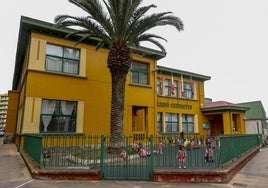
<point x="255" y="120"/>
<point x="65" y="90"/>
<point x="3" y="109"/>
<point x="225" y="117"/>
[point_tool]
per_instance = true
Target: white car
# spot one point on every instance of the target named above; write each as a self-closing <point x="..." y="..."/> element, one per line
<point x="2" y="132"/>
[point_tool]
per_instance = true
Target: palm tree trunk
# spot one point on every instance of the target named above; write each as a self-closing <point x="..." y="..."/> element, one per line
<point x="117" y="106"/>
<point x="119" y="62"/>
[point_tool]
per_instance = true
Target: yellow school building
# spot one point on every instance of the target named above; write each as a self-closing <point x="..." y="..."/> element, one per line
<point x="61" y="89"/>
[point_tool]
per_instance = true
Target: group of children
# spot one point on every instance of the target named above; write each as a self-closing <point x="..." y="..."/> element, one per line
<point x="142" y="152"/>
<point x="181" y="154"/>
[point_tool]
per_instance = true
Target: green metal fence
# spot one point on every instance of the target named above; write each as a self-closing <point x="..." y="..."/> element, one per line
<point x="132" y="166"/>
<point x="33" y="146"/>
<point x="78" y="151"/>
<point x="96" y="152"/>
<point x="232" y="146"/>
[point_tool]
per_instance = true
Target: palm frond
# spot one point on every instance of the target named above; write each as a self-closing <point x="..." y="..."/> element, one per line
<point x="151" y="38"/>
<point x="88" y="25"/>
<point x="115" y="22"/>
<point x="100" y="45"/>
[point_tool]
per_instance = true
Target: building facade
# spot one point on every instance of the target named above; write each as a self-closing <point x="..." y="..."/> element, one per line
<point x="224" y="117"/>
<point x="59" y="88"/>
<point x="3" y="109"/>
<point x="255" y="119"/>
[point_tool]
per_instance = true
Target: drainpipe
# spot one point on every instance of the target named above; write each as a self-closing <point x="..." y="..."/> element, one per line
<point x="258" y="131"/>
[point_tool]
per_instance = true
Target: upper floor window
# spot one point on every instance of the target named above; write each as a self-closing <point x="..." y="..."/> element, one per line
<point x="188" y="90"/>
<point x="188" y="123"/>
<point x="171" y="88"/>
<point x="58" y="116"/>
<point x="62" y="59"/>
<point x="139" y="73"/>
<point x="159" y="86"/>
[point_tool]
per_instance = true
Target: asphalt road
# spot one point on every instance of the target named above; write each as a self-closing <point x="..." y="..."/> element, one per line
<point x="14" y="174"/>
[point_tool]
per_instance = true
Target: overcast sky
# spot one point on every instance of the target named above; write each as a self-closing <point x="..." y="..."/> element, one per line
<point x="224" y="39"/>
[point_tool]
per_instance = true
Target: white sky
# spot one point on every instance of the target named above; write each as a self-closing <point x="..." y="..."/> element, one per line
<point x="224" y="39"/>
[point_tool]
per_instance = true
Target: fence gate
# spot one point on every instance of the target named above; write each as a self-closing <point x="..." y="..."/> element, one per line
<point x="134" y="166"/>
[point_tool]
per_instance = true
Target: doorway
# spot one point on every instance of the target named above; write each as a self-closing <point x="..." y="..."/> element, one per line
<point x="139" y="122"/>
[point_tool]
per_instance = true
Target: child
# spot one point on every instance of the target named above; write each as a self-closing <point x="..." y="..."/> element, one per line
<point x="135" y="147"/>
<point x="212" y="143"/>
<point x="209" y="154"/>
<point x="144" y="153"/>
<point x="181" y="156"/>
<point x="180" y="142"/>
<point x="160" y="147"/>
<point x="123" y="154"/>
<point x="192" y="144"/>
<point x="47" y="153"/>
<point x="182" y="139"/>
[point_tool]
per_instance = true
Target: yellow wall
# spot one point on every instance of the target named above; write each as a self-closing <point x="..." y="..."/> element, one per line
<point x="181" y="105"/>
<point x="91" y="88"/>
<point x="11" y="121"/>
<point x="92" y="91"/>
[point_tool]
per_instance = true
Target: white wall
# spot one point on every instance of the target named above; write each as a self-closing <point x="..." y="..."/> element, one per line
<point x="253" y="127"/>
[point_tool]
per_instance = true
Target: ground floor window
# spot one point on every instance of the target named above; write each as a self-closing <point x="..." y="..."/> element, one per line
<point x="187" y="123"/>
<point x="159" y="122"/>
<point x="172" y="124"/>
<point x="58" y="116"/>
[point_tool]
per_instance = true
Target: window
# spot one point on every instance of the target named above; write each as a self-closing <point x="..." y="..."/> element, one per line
<point x="139" y="73"/>
<point x="62" y="59"/>
<point x="168" y="88"/>
<point x="159" y="122"/>
<point x="188" y="123"/>
<point x="159" y="86"/>
<point x="188" y="90"/>
<point x="171" y="123"/>
<point x="58" y="116"/>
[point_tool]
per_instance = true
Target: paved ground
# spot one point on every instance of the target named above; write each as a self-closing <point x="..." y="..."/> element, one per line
<point x="255" y="173"/>
<point x="13" y="170"/>
<point x="14" y="174"/>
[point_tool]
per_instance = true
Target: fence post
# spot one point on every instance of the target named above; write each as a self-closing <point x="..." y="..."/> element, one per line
<point x="151" y="140"/>
<point x="126" y="146"/>
<point x="102" y="156"/>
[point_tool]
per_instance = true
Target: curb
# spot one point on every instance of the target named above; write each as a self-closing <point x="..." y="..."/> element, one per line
<point x="58" y="173"/>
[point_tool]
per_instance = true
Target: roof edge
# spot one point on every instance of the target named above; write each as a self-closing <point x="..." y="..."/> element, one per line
<point x="177" y="72"/>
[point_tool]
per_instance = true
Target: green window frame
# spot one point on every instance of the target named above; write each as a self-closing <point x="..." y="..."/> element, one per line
<point x="62" y="59"/>
<point x="159" y="86"/>
<point x="172" y="123"/>
<point x="167" y="90"/>
<point x="188" y="123"/>
<point x="188" y="90"/>
<point x="139" y="73"/>
<point x="160" y="122"/>
<point x="58" y="116"/>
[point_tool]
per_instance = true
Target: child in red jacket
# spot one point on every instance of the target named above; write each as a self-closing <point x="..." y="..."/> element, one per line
<point x="123" y="154"/>
<point x="209" y="154"/>
<point x="160" y="147"/>
<point x="181" y="156"/>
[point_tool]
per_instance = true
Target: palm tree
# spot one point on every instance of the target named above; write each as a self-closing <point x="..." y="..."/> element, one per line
<point x="118" y="24"/>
